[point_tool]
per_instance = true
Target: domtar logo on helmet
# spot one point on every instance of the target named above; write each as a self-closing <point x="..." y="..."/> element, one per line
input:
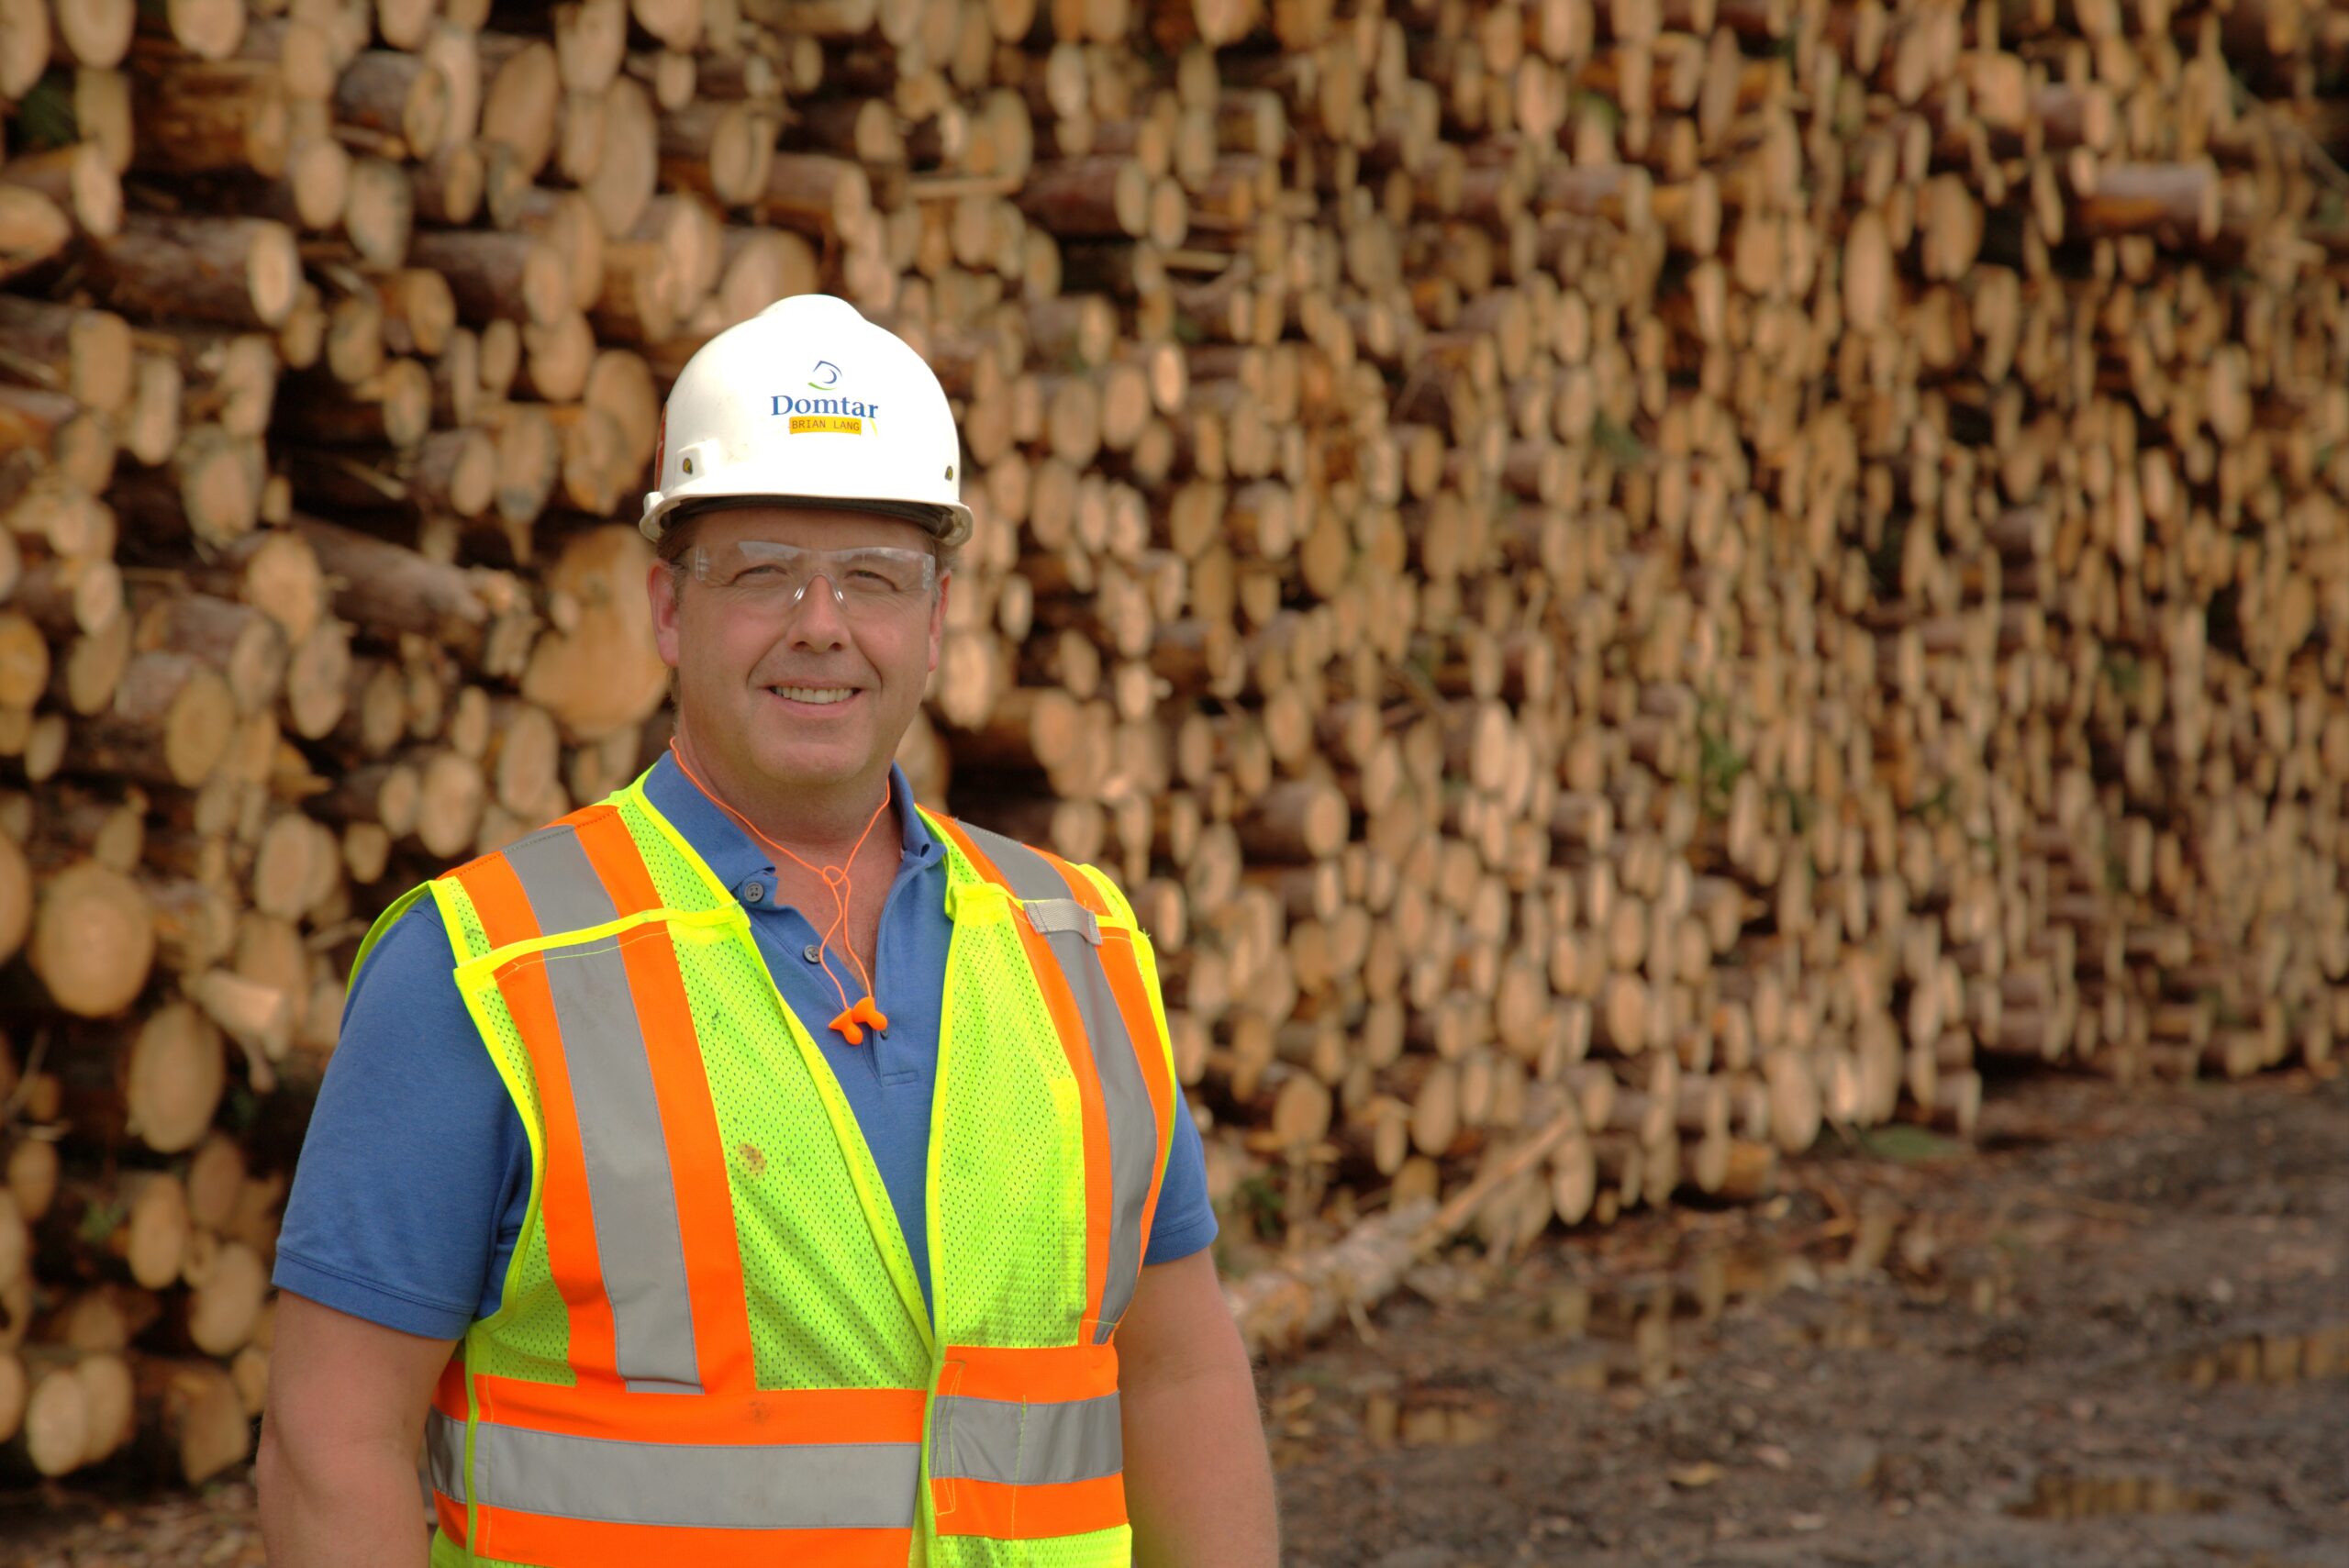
<point x="825" y="415"/>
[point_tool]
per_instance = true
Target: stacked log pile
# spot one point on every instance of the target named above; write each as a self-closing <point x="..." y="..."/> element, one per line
<point x="1622" y="580"/>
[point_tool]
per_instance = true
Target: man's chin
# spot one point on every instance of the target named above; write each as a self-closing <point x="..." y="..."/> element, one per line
<point x="795" y="763"/>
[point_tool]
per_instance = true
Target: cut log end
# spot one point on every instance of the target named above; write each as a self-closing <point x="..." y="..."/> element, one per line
<point x="93" y="941"/>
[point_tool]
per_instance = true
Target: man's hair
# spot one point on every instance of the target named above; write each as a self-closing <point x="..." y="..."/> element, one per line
<point x="677" y="539"/>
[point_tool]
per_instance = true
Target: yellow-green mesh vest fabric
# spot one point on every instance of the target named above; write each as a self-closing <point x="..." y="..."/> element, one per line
<point x="832" y="1297"/>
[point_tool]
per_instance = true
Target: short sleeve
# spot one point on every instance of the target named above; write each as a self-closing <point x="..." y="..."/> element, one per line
<point x="1185" y="1221"/>
<point x="415" y="1153"/>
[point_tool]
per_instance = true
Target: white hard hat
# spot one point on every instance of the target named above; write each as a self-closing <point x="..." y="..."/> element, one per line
<point x="809" y="401"/>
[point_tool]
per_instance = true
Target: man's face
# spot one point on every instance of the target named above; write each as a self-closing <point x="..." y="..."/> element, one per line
<point x="760" y="680"/>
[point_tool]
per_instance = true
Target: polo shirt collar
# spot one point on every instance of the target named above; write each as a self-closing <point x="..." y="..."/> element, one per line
<point x="734" y="854"/>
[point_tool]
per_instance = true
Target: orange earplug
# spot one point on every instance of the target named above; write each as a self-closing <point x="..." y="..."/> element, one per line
<point x="865" y="1012"/>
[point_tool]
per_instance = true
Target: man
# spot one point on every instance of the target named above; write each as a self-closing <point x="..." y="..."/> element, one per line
<point x="723" y="1175"/>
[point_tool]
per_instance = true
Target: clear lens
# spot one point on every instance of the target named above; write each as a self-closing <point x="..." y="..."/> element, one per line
<point x="876" y="578"/>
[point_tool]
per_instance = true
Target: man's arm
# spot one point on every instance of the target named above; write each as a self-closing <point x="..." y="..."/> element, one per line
<point x="340" y="1438"/>
<point x="414" y="1169"/>
<point x="1198" y="1480"/>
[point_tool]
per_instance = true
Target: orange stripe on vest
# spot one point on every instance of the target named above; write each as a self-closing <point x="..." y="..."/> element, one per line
<point x="1005" y="1512"/>
<point x="565" y="1209"/>
<point x="584" y="1543"/>
<point x="769" y="1415"/>
<point x="1118" y="963"/>
<point x="1051" y="1374"/>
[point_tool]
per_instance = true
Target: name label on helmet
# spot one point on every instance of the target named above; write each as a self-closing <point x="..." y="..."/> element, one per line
<point x="839" y="416"/>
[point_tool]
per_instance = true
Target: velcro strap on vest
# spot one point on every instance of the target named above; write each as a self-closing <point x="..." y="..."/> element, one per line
<point x="1051" y="916"/>
<point x="977" y="903"/>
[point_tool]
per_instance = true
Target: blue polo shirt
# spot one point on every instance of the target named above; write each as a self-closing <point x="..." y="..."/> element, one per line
<point x="415" y="1174"/>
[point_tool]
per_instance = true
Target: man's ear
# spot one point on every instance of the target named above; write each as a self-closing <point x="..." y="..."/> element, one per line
<point x="663" y="587"/>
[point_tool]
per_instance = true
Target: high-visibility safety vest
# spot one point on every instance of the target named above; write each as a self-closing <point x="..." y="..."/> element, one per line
<point x="711" y="1348"/>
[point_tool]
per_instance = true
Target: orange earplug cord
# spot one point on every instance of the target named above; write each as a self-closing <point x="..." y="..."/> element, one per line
<point x="836" y="880"/>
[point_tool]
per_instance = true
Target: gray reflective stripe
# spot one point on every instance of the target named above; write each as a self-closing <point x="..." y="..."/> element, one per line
<point x="715" y="1487"/>
<point x="565" y="893"/>
<point x="1028" y="1445"/>
<point x="1030" y="874"/>
<point x="1125" y="1098"/>
<point x="1133" y="1131"/>
<point x="444" y="1454"/>
<point x="1051" y="917"/>
<point x="630" y="1187"/>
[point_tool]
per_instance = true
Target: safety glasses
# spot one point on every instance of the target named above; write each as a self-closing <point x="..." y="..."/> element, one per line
<point x="874" y="581"/>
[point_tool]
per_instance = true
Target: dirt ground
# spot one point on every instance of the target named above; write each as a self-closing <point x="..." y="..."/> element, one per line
<point x="2116" y="1334"/>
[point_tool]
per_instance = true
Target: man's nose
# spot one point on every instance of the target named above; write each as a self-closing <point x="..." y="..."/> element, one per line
<point x="820" y="623"/>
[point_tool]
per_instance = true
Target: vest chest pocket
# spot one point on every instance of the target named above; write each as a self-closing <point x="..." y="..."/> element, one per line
<point x="1028" y="1445"/>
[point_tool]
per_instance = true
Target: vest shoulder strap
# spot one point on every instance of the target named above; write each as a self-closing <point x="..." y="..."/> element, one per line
<point x="575" y="874"/>
<point x="1056" y="893"/>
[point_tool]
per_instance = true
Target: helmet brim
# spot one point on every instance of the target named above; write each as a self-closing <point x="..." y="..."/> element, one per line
<point x="949" y="524"/>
